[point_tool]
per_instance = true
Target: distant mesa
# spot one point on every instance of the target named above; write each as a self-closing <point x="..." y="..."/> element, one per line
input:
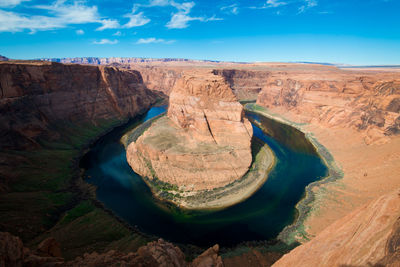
<point x="118" y="60"/>
<point x="3" y="58"/>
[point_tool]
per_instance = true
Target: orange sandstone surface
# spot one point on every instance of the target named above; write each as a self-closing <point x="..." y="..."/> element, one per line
<point x="368" y="236"/>
<point x="203" y="143"/>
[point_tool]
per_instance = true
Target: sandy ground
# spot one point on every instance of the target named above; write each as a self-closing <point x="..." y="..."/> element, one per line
<point x="369" y="172"/>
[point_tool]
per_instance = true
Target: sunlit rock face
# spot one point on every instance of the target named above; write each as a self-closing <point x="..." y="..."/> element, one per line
<point x="203" y="143"/>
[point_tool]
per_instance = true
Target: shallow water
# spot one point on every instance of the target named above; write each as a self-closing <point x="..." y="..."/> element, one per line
<point x="261" y="217"/>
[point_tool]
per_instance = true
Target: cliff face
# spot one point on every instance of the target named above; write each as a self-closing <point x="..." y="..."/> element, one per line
<point x="246" y="84"/>
<point x="158" y="78"/>
<point x="369" y="236"/>
<point x="208" y="109"/>
<point x="368" y="102"/>
<point x="37" y="96"/>
<point x="204" y="143"/>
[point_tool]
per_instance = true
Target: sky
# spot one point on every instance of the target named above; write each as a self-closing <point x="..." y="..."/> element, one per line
<point x="359" y="32"/>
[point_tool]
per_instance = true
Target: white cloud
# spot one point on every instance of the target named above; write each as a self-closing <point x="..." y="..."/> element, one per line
<point x="61" y="15"/>
<point x="106" y="41"/>
<point x="153" y="40"/>
<point x="108" y="24"/>
<point x="118" y="33"/>
<point x="80" y="32"/>
<point x="159" y="3"/>
<point x="136" y="20"/>
<point x="77" y="13"/>
<point x="233" y="9"/>
<point x="307" y="4"/>
<point x="11" y="3"/>
<point x="270" y="4"/>
<point x="180" y="21"/>
<point x="275" y="3"/>
<point x="13" y="22"/>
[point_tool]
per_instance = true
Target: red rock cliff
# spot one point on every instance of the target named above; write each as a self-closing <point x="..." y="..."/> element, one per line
<point x="37" y="96"/>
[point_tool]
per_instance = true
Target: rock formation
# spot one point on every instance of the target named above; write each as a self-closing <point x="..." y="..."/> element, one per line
<point x="369" y="236"/>
<point x="37" y="95"/>
<point x="366" y="101"/>
<point x="246" y="84"/>
<point x="154" y="254"/>
<point x="204" y="143"/>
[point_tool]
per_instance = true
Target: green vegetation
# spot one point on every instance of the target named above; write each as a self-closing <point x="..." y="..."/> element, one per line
<point x="47" y="197"/>
<point x="76" y="212"/>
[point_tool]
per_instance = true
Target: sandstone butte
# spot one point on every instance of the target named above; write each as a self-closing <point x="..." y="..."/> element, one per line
<point x="203" y="143"/>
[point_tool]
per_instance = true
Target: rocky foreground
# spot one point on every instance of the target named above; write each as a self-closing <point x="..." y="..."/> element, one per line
<point x="203" y="143"/>
<point x="48" y="253"/>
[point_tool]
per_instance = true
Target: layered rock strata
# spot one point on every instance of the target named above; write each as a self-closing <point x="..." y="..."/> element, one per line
<point x="366" y="101"/>
<point x="369" y="236"/>
<point x="203" y="143"/>
<point x="36" y="96"/>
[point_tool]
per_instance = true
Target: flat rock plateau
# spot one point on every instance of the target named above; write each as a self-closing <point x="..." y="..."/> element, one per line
<point x="50" y="112"/>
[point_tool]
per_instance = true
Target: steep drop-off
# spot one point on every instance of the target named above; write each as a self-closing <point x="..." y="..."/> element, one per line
<point x="49" y="112"/>
<point x="36" y="96"/>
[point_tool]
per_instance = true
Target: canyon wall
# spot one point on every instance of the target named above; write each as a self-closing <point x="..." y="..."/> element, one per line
<point x="37" y="96"/>
<point x="49" y="112"/>
<point x="369" y="236"/>
<point x="159" y="78"/>
<point x="246" y="84"/>
<point x="366" y="101"/>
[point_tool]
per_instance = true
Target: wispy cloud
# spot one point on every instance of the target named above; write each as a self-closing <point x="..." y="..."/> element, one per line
<point x="80" y="32"/>
<point x="108" y="24"/>
<point x="275" y="3"/>
<point x="307" y="4"/>
<point x="106" y="41"/>
<point x="153" y="40"/>
<point x="231" y="9"/>
<point x="75" y="13"/>
<point x="136" y="20"/>
<point x="11" y="3"/>
<point x="181" y="18"/>
<point x="270" y="4"/>
<point x="61" y="15"/>
<point x="118" y="33"/>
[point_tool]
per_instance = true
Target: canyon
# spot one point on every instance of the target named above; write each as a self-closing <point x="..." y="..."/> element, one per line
<point x="51" y="111"/>
<point x="204" y="142"/>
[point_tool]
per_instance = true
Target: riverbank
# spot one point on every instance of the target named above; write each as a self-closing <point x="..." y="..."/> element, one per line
<point x="368" y="171"/>
<point x="218" y="198"/>
<point x="296" y="232"/>
<point x="50" y="198"/>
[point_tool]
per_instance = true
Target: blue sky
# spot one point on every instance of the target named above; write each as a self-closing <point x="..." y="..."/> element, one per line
<point x="337" y="31"/>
